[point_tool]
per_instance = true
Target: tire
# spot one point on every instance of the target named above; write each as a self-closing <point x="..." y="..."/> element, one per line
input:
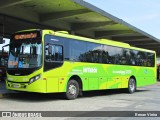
<point x="131" y="86"/>
<point x="72" y="90"/>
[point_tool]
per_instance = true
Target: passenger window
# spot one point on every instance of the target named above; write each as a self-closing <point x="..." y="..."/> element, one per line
<point x="54" y="52"/>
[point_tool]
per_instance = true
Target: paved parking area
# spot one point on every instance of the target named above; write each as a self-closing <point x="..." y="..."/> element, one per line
<point x="2" y="87"/>
<point x="145" y="99"/>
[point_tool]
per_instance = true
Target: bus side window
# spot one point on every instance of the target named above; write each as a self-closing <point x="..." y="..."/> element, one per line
<point x="58" y="53"/>
<point x="54" y="53"/>
<point x="49" y="52"/>
<point x="46" y="52"/>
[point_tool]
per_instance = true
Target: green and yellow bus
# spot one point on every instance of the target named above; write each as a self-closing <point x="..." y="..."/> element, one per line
<point x="47" y="61"/>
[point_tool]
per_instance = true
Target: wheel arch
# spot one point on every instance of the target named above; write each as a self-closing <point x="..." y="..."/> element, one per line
<point x="78" y="79"/>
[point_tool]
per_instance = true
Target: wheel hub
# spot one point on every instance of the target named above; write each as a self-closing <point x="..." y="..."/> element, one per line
<point x="72" y="90"/>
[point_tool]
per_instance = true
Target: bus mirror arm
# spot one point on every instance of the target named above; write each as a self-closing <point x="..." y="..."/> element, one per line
<point x="5" y="45"/>
<point x="3" y="49"/>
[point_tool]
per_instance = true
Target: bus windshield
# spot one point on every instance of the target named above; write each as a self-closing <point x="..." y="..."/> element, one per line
<point x="25" y="55"/>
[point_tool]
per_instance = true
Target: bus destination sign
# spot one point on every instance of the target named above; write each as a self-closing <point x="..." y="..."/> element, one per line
<point x="25" y="36"/>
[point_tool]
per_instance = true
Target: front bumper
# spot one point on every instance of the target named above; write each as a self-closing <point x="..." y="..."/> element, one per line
<point x="37" y="86"/>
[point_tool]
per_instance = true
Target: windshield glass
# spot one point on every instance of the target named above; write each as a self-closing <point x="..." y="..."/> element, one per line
<point x="25" y="55"/>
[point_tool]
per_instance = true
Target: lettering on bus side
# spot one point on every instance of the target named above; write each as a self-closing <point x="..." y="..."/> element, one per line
<point x="122" y="72"/>
<point x="90" y="70"/>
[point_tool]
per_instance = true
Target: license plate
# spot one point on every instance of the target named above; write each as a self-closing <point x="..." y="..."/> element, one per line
<point x="16" y="85"/>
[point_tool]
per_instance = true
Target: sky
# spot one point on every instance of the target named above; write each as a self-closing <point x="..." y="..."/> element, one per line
<point x="143" y="14"/>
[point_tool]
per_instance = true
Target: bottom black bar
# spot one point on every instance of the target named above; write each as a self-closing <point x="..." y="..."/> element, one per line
<point x="79" y="113"/>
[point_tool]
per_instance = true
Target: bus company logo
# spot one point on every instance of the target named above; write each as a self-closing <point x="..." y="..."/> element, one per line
<point x="90" y="70"/>
<point x="6" y="114"/>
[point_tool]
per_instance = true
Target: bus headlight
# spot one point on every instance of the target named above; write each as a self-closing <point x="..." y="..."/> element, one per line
<point x="34" y="78"/>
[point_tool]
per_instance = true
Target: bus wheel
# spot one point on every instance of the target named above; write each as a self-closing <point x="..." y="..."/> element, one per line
<point x="131" y="86"/>
<point x="72" y="90"/>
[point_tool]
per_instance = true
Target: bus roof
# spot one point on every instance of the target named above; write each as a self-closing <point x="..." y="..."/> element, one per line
<point x="102" y="41"/>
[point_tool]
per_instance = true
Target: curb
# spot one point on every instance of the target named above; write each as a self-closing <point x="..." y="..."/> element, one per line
<point x="9" y="94"/>
<point x="4" y="95"/>
<point x="1" y="95"/>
